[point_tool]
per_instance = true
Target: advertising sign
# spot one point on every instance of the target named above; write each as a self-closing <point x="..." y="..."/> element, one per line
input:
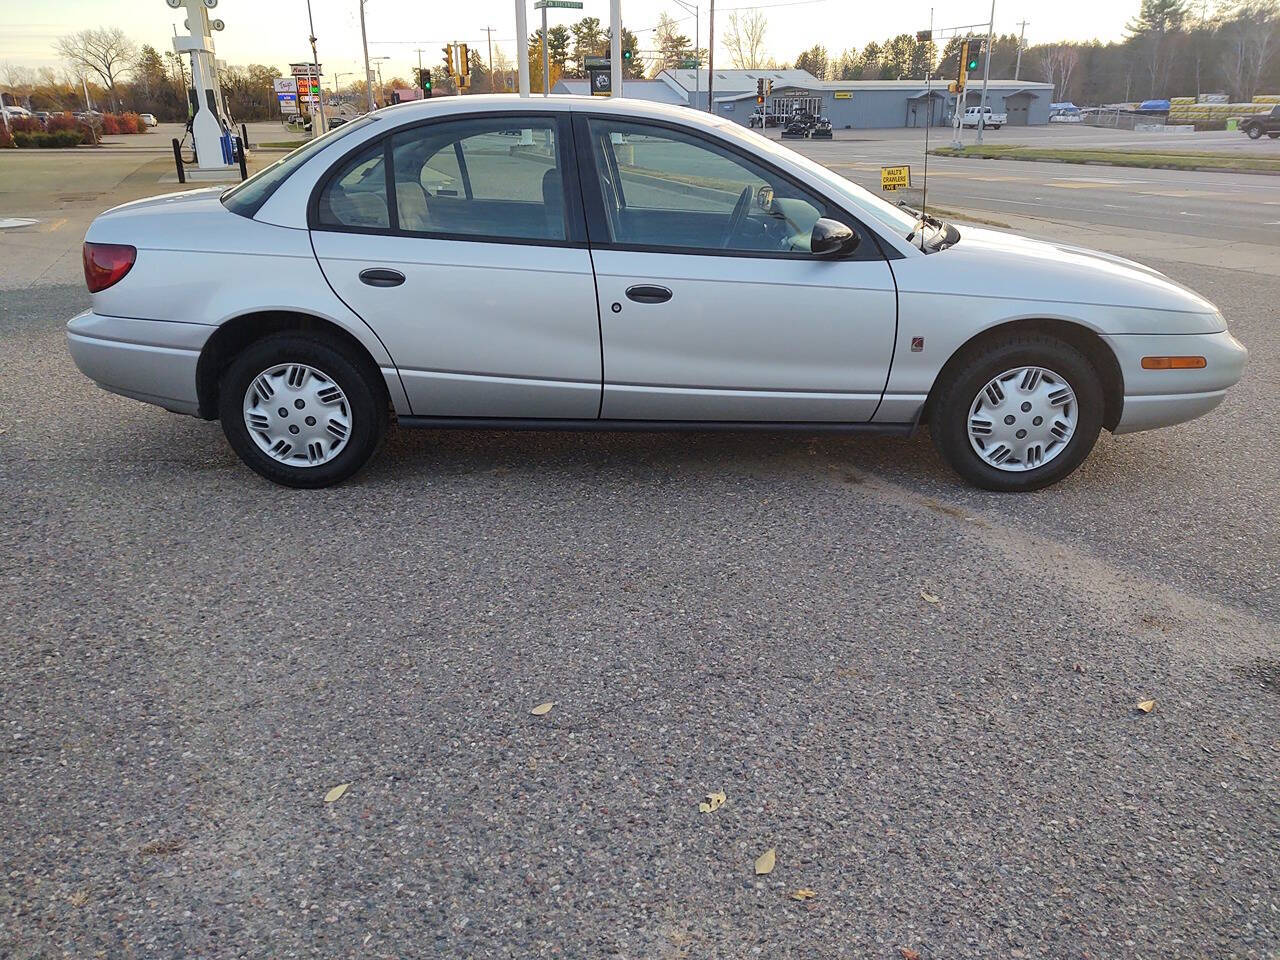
<point x="892" y="178"/>
<point x="305" y="69"/>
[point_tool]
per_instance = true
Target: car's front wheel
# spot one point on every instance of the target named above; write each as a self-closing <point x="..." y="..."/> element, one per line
<point x="1254" y="132"/>
<point x="302" y="410"/>
<point x="1017" y="415"/>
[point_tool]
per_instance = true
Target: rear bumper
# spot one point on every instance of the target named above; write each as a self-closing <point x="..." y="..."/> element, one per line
<point x="1160" y="398"/>
<point x="149" y="360"/>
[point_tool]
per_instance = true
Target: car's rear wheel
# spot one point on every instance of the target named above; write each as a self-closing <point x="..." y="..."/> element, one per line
<point x="1274" y="135"/>
<point x="301" y="410"/>
<point x="1017" y="415"/>
<point x="1254" y="132"/>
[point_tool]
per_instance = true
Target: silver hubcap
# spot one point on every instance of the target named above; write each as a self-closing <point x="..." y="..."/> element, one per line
<point x="297" y="415"/>
<point x="1022" y="419"/>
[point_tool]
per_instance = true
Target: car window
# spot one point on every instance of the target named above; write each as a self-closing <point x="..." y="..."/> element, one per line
<point x="356" y="196"/>
<point x="247" y="198"/>
<point x="665" y="188"/>
<point x="484" y="177"/>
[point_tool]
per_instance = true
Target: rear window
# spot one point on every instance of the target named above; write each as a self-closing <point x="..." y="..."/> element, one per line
<point x="247" y="198"/>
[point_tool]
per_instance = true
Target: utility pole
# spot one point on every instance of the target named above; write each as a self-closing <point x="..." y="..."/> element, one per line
<point x="315" y="62"/>
<point x="1022" y="36"/>
<point x="364" y="42"/>
<point x="489" y="32"/>
<point x="986" y="72"/>
<point x="522" y="46"/>
<point x="711" y="55"/>
<point x="697" y="33"/>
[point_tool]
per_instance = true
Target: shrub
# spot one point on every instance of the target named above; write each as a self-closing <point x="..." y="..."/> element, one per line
<point x="25" y="125"/>
<point x="6" y="139"/>
<point x="61" y="121"/>
<point x="110" y="125"/>
<point x="62" y="138"/>
<point x="131" y="123"/>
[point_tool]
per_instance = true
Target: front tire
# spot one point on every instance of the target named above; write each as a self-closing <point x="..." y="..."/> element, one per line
<point x="302" y="410"/>
<point x="1017" y="415"/>
<point x="1254" y="132"/>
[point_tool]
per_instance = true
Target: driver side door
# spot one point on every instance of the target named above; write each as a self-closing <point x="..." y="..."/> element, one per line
<point x="711" y="306"/>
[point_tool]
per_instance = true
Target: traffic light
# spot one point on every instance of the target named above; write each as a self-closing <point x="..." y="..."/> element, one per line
<point x="962" y="66"/>
<point x="626" y="56"/>
<point x="973" y="54"/>
<point x="424" y="81"/>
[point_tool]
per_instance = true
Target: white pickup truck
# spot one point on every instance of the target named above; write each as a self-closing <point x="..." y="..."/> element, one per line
<point x="993" y="121"/>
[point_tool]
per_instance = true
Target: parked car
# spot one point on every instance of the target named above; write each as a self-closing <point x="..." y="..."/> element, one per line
<point x="1257" y="125"/>
<point x="637" y="277"/>
<point x="821" y="129"/>
<point x="15" y="112"/>
<point x="149" y="119"/>
<point x="1065" y="113"/>
<point x="764" y="120"/>
<point x="991" y="121"/>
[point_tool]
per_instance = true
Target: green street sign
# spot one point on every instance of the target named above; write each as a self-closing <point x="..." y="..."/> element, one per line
<point x="689" y="64"/>
<point x="558" y="5"/>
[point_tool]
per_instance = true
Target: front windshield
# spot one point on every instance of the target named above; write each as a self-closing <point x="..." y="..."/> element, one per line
<point x="247" y="198"/>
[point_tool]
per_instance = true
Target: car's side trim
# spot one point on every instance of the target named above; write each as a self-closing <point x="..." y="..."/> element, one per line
<point x="653" y="426"/>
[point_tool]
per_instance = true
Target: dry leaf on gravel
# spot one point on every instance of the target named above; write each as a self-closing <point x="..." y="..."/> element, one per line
<point x="908" y="953"/>
<point x="714" y="801"/>
<point x="929" y="597"/>
<point x="765" y="862"/>
<point x="542" y="709"/>
<point x="336" y="793"/>
<point x="803" y="895"/>
<point x="1146" y="706"/>
<point x="79" y="898"/>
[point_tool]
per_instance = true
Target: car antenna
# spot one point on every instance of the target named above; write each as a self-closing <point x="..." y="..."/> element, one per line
<point x="928" y="122"/>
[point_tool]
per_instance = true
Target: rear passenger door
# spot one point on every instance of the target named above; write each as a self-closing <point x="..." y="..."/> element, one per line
<point x="461" y="242"/>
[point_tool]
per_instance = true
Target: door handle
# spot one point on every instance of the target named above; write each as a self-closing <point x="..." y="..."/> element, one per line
<point x="648" y="293"/>
<point x="378" y="277"/>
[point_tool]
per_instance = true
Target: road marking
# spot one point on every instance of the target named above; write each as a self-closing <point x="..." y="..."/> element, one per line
<point x="13" y="223"/>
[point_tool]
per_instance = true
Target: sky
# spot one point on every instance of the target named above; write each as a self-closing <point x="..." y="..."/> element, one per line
<point x="274" y="32"/>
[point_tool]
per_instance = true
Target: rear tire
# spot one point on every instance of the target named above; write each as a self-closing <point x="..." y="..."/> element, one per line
<point x="1254" y="132"/>
<point x="962" y="407"/>
<point x="1274" y="135"/>
<point x="302" y="410"/>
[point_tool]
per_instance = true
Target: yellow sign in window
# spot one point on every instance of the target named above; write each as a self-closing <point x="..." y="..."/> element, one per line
<point x="893" y="178"/>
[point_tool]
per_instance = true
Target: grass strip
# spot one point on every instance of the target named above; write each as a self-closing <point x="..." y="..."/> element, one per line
<point x="1117" y="158"/>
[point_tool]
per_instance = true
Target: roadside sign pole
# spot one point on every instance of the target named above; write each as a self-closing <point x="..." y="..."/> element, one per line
<point x="546" y="62"/>
<point x="364" y="40"/>
<point x="615" y="47"/>
<point x="986" y="72"/>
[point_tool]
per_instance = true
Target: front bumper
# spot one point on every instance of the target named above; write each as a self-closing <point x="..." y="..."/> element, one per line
<point x="1159" y="398"/>
<point x="149" y="360"/>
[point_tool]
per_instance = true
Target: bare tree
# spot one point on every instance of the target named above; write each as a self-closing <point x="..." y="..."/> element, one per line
<point x="745" y="39"/>
<point x="1251" y="37"/>
<point x="1059" y="62"/>
<point x="106" y="52"/>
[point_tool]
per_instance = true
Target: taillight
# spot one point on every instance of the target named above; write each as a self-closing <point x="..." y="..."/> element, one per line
<point x="105" y="264"/>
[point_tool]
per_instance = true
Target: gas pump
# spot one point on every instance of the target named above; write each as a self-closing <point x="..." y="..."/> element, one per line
<point x="210" y="123"/>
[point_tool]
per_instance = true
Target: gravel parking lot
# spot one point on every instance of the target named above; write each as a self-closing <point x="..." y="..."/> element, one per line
<point x="193" y="658"/>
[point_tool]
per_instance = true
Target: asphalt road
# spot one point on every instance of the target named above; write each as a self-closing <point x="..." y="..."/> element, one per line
<point x="193" y="658"/>
<point x="1224" y="206"/>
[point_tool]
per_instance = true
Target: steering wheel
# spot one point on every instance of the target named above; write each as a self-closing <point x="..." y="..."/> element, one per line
<point x="739" y="214"/>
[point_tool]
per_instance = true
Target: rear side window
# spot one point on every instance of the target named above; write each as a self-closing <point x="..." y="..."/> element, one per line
<point x="357" y="195"/>
<point x="486" y="177"/>
<point x="247" y="198"/>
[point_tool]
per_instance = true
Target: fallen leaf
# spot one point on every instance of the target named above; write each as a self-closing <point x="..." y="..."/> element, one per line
<point x="336" y="792"/>
<point x="713" y="802"/>
<point x="542" y="709"/>
<point x="765" y="862"/>
<point x="79" y="898"/>
<point x="908" y="953"/>
<point x="1146" y="706"/>
<point x="929" y="597"/>
<point x="803" y="895"/>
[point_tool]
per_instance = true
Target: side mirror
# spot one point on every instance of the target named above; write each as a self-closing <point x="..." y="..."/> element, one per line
<point x="830" y="238"/>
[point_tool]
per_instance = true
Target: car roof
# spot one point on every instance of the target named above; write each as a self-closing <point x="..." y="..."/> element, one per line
<point x="508" y="102"/>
